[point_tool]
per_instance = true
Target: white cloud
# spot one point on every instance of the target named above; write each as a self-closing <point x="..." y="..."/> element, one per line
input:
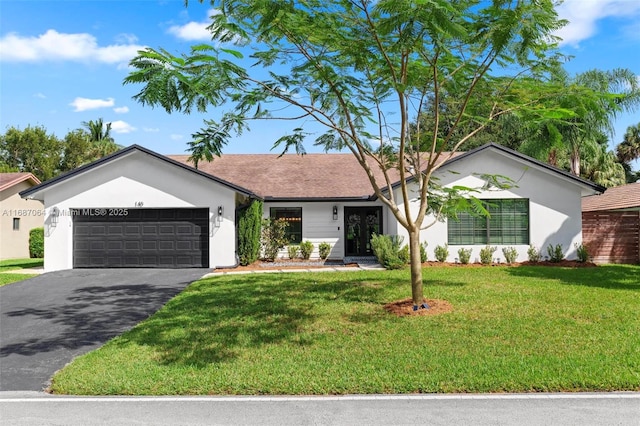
<point x="84" y="104"/>
<point x="121" y="110"/>
<point x="193" y="30"/>
<point x="150" y="130"/>
<point x="39" y="95"/>
<point x="176" y="137"/>
<point x="583" y="16"/>
<point x="120" y="126"/>
<point x="55" y="46"/>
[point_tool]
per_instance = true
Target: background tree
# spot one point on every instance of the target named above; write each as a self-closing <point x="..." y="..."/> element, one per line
<point x="102" y="143"/>
<point x="364" y="70"/>
<point x="31" y="150"/>
<point x="629" y="150"/>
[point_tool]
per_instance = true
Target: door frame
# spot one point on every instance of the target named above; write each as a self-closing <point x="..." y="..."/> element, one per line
<point x="365" y="237"/>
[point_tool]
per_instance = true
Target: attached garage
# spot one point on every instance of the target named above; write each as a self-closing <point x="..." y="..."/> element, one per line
<point x="139" y="209"/>
<point x="140" y="238"/>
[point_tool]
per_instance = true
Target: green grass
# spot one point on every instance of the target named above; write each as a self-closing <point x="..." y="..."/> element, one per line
<point x="13" y="264"/>
<point x="520" y="329"/>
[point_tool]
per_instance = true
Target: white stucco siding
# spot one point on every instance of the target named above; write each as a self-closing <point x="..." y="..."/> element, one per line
<point x="319" y="226"/>
<point x="125" y="183"/>
<point x="554" y="203"/>
<point x="14" y="244"/>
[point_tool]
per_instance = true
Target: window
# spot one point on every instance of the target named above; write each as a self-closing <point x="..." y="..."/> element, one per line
<point x="293" y="216"/>
<point x="16" y="223"/>
<point x="508" y="224"/>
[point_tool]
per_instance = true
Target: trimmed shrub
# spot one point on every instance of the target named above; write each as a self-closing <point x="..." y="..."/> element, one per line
<point x="36" y="243"/>
<point x="404" y="254"/>
<point x="441" y="253"/>
<point x="323" y="250"/>
<point x="510" y="254"/>
<point x="386" y="248"/>
<point x="534" y="254"/>
<point x="293" y="251"/>
<point x="273" y="238"/>
<point x="556" y="254"/>
<point x="306" y="248"/>
<point x="486" y="254"/>
<point x="464" y="255"/>
<point x="249" y="229"/>
<point x="582" y="252"/>
<point x="423" y="252"/>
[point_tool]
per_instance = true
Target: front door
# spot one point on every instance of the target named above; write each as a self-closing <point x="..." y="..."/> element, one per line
<point x="360" y="223"/>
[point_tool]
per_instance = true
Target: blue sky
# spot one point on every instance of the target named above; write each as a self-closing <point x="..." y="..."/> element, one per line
<point x="62" y="62"/>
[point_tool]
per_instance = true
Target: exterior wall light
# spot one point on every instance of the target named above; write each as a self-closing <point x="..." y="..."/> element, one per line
<point x="220" y="211"/>
<point x="55" y="212"/>
<point x="335" y="212"/>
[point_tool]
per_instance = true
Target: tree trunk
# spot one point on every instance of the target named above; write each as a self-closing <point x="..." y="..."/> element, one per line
<point x="416" y="268"/>
<point x="575" y="163"/>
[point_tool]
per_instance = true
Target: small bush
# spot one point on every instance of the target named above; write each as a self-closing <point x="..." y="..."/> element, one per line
<point x="293" y="251"/>
<point x="306" y="248"/>
<point x="249" y="229"/>
<point x="534" y="254"/>
<point x="36" y="243"/>
<point x="510" y="254"/>
<point x="273" y="238"/>
<point x="323" y="250"/>
<point x="404" y="255"/>
<point x="486" y="254"/>
<point x="423" y="252"/>
<point x="555" y="253"/>
<point x="441" y="253"/>
<point x="464" y="255"/>
<point x="582" y="252"/>
<point x="386" y="248"/>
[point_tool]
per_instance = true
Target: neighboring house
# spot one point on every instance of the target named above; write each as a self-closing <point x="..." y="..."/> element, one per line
<point x="17" y="216"/>
<point x="139" y="208"/>
<point x="611" y="225"/>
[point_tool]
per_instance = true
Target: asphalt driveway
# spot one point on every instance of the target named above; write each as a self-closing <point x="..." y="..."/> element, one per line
<point x="48" y="320"/>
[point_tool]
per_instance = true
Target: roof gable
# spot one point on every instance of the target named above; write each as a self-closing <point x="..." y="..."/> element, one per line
<point x="7" y="180"/>
<point x="31" y="192"/>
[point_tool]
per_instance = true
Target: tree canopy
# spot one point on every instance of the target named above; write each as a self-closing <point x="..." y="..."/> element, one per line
<point x="364" y="71"/>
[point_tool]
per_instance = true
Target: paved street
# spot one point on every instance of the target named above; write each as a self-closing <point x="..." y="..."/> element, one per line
<point x="522" y="410"/>
<point x="48" y="320"/>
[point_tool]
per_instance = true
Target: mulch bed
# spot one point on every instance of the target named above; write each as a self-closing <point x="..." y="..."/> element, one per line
<point x="404" y="307"/>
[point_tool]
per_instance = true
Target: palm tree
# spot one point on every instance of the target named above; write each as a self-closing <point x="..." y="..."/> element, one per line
<point x="100" y="137"/>
<point x="629" y="150"/>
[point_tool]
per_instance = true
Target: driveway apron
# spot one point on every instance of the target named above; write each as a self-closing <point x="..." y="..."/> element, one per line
<point x="48" y="320"/>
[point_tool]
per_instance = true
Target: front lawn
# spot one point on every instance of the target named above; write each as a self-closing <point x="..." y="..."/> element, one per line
<point x="16" y="264"/>
<point x="512" y="329"/>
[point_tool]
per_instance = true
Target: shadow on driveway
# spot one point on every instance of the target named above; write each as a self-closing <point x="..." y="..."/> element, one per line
<point x="48" y="320"/>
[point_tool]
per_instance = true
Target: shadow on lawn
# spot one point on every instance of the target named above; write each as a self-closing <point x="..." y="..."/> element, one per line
<point x="217" y="320"/>
<point x="618" y="277"/>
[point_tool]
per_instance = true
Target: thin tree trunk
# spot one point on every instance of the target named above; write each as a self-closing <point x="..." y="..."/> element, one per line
<point x="416" y="267"/>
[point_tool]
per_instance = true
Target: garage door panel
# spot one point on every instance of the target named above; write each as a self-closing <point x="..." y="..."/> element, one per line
<point x="165" y="238"/>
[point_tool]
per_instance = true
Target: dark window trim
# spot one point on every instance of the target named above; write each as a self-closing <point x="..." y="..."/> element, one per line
<point x="293" y="233"/>
<point x="479" y="231"/>
<point x="16" y="223"/>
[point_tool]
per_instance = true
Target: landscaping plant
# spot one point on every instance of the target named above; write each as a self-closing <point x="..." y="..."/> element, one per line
<point x="556" y="254"/>
<point x="306" y="248"/>
<point x="510" y="254"/>
<point x="273" y="238"/>
<point x="464" y="255"/>
<point x="323" y="250"/>
<point x="386" y="248"/>
<point x="533" y="253"/>
<point x="441" y="253"/>
<point x="36" y="243"/>
<point x="486" y="254"/>
<point x="423" y="252"/>
<point x="582" y="253"/>
<point x="293" y="251"/>
<point x="249" y="229"/>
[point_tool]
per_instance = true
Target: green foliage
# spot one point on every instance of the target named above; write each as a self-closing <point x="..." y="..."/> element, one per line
<point x="424" y="256"/>
<point x="464" y="255"/>
<point x="510" y="254"/>
<point x="306" y="248"/>
<point x="582" y="253"/>
<point x="249" y="231"/>
<point x="31" y="150"/>
<point x="486" y="254"/>
<point x="556" y="253"/>
<point x="324" y="249"/>
<point x="404" y="255"/>
<point x="273" y="238"/>
<point x="441" y="253"/>
<point x="293" y="251"/>
<point x="533" y="253"/>
<point x="36" y="243"/>
<point x="387" y="249"/>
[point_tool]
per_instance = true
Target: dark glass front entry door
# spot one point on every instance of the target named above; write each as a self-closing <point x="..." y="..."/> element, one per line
<point x="360" y="224"/>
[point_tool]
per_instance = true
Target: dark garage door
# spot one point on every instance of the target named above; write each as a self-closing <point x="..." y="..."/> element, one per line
<point x="140" y="238"/>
